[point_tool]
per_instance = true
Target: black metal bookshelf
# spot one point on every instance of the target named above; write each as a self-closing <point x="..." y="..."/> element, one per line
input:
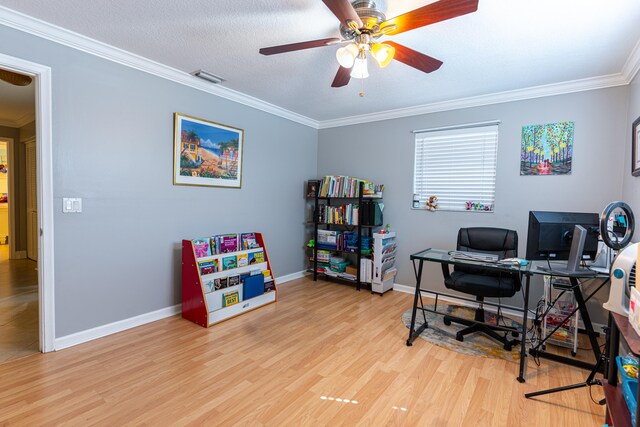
<point x="368" y="229"/>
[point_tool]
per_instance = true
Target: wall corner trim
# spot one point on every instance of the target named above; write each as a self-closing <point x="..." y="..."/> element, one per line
<point x="54" y="33"/>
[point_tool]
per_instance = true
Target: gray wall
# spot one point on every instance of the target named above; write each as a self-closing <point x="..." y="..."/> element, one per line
<point x="383" y="152"/>
<point x="112" y="146"/>
<point x="630" y="193"/>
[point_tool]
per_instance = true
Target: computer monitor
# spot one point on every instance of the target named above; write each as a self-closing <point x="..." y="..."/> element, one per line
<point x="550" y="234"/>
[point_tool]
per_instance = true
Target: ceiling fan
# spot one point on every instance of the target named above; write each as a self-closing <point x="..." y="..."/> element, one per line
<point x="362" y="23"/>
<point x="15" y="79"/>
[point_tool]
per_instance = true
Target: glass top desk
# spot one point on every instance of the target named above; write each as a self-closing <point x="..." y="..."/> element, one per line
<point x="445" y="259"/>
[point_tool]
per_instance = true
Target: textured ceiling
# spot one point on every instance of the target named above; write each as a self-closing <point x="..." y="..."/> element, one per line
<point x="17" y="104"/>
<point x="505" y="45"/>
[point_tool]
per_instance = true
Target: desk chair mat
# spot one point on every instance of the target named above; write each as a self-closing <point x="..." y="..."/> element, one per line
<point x="477" y="344"/>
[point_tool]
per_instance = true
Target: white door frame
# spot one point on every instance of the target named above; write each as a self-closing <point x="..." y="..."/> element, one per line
<point x="44" y="159"/>
<point x="11" y="191"/>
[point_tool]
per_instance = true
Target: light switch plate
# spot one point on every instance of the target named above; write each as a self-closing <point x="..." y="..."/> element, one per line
<point x="71" y="205"/>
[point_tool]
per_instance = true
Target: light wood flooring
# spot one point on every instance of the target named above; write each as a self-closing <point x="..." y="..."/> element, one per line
<point x="18" y="307"/>
<point x="324" y="354"/>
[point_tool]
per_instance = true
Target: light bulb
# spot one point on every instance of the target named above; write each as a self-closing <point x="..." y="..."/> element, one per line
<point x="383" y="53"/>
<point x="359" y="70"/>
<point x="346" y="55"/>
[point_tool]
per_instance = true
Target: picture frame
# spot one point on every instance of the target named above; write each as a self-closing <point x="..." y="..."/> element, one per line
<point x="635" y="148"/>
<point x="206" y="153"/>
<point x="312" y="189"/>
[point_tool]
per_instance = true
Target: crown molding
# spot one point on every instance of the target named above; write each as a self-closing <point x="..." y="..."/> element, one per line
<point x="37" y="27"/>
<point x="489" y="99"/>
<point x="18" y="123"/>
<point x="632" y="65"/>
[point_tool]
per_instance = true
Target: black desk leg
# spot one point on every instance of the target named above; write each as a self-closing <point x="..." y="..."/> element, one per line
<point x="588" y="326"/>
<point x="523" y="337"/>
<point x="416" y="295"/>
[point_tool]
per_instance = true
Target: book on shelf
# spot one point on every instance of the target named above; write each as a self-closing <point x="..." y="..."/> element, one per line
<point x="258" y="257"/>
<point x="249" y="241"/>
<point x="202" y="247"/>
<point x="220" y="283"/>
<point x="233" y="280"/>
<point x="209" y="286"/>
<point x="229" y="262"/>
<point x="345" y="186"/>
<point x="345" y="214"/>
<point x="230" y="298"/>
<point x="208" y="267"/>
<point x="228" y="243"/>
<point x="243" y="260"/>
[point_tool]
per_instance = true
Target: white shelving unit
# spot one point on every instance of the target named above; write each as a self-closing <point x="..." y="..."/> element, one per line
<point x="557" y="291"/>
<point x="384" y="258"/>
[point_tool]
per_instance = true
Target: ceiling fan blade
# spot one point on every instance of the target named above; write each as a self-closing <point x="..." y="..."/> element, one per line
<point x="15" y="79"/>
<point x="342" y="77"/>
<point x="343" y="11"/>
<point x="414" y="59"/>
<point x="297" y="46"/>
<point x="429" y="14"/>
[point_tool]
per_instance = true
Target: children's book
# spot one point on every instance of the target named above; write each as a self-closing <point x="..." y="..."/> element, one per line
<point x="208" y="267"/>
<point x="233" y="280"/>
<point x="269" y="286"/>
<point x="249" y="241"/>
<point x="258" y="256"/>
<point x="220" y="283"/>
<point x="266" y="273"/>
<point x="215" y="245"/>
<point x="209" y="286"/>
<point x="243" y="260"/>
<point x="228" y="243"/>
<point x="230" y="298"/>
<point x="201" y="247"/>
<point x="229" y="262"/>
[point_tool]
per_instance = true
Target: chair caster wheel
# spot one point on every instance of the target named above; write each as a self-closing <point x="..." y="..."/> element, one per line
<point x="515" y="334"/>
<point x="573" y="353"/>
<point x="459" y="336"/>
<point x="446" y="321"/>
<point x="507" y="346"/>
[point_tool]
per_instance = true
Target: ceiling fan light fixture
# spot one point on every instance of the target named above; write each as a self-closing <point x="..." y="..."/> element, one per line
<point x="360" y="70"/>
<point x="347" y="55"/>
<point x="383" y="53"/>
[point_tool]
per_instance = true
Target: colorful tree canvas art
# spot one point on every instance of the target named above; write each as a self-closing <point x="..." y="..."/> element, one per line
<point x="547" y="149"/>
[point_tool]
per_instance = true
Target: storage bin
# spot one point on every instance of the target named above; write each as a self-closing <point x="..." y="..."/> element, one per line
<point x="631" y="365"/>
<point x="340" y="267"/>
<point x="629" y="391"/>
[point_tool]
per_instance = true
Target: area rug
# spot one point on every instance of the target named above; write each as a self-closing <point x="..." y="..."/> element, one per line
<point x="477" y="344"/>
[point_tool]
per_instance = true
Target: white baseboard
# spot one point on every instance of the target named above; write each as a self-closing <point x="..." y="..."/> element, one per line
<point x="598" y="327"/>
<point x="289" y="277"/>
<point x="112" y="328"/>
<point x="123" y="325"/>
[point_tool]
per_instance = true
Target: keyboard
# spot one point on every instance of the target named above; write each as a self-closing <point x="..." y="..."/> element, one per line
<point x="474" y="256"/>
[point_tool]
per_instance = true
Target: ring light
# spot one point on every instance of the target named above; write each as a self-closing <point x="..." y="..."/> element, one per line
<point x="615" y="242"/>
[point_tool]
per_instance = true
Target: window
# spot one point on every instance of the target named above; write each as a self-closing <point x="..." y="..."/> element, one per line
<point x="458" y="166"/>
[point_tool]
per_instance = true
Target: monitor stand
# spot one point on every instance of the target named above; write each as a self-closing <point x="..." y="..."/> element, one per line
<point x="573" y="265"/>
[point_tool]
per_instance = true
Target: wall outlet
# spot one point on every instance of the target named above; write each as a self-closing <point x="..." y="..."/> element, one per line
<point x="71" y="205"/>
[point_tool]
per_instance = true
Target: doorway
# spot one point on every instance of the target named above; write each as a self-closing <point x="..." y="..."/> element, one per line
<point x="29" y="266"/>
<point x="19" y="323"/>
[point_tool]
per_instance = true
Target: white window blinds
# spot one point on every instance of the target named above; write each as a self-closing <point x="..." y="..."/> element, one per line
<point x="458" y="166"/>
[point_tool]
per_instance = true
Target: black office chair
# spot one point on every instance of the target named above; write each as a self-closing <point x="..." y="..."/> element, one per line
<point x="481" y="282"/>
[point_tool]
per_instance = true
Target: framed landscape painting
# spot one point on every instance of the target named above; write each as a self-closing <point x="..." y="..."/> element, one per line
<point x="206" y="153"/>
